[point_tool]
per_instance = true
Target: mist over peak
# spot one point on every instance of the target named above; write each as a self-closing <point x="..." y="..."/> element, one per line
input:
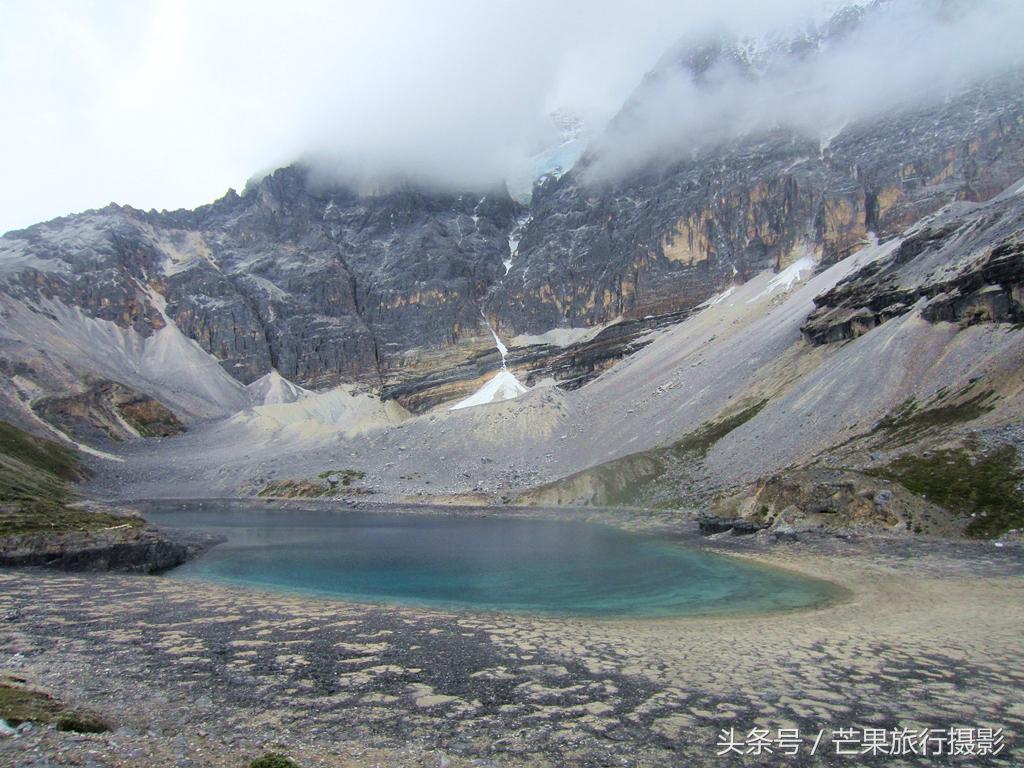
<point x="858" y="64"/>
<point x="165" y="105"/>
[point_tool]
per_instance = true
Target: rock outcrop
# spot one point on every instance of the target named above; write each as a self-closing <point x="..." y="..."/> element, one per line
<point x="965" y="264"/>
<point x="392" y="289"/>
<point x="131" y="549"/>
<point x="108" y="410"/>
<point x="668" y="238"/>
<point x="322" y="284"/>
<point x="821" y="498"/>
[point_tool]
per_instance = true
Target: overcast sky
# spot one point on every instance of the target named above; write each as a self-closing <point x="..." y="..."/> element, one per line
<point x="168" y="103"/>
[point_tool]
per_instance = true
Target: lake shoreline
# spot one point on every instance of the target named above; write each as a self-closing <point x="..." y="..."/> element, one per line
<point x="485" y="561"/>
<point x="200" y="674"/>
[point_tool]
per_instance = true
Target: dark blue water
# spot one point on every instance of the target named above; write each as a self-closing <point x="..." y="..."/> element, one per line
<point x="491" y="563"/>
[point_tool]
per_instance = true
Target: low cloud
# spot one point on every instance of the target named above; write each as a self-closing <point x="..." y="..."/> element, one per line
<point x="896" y="55"/>
<point x="167" y="103"/>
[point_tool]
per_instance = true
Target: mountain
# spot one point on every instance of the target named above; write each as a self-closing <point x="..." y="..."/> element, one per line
<point x="323" y="285"/>
<point x="679" y="323"/>
<point x="670" y="234"/>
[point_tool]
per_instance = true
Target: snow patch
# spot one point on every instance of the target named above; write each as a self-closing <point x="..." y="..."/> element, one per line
<point x="515" y="236"/>
<point x="828" y="136"/>
<point x="787" y="278"/>
<point x="504" y="386"/>
<point x="502" y="349"/>
<point x="552" y="161"/>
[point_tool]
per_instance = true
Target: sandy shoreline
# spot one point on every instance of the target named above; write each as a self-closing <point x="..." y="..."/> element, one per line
<point x="930" y="635"/>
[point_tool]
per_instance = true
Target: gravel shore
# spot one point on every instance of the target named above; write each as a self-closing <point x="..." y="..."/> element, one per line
<point x="189" y="674"/>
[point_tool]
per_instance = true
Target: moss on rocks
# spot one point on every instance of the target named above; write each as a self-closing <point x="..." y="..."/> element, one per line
<point x="342" y="477"/>
<point x="21" y="705"/>
<point x="273" y="760"/>
<point x="910" y="419"/>
<point x="81" y="722"/>
<point x="330" y="482"/>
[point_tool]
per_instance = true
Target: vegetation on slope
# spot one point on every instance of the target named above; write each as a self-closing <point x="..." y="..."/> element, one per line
<point x="35" y="477"/>
<point x="21" y="705"/>
<point x="653" y="477"/>
<point x="985" y="486"/>
<point x="910" y="420"/>
<point x="330" y="482"/>
<point x="273" y="760"/>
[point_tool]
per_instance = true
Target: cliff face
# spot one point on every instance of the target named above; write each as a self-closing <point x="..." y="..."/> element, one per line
<point x="329" y="285"/>
<point x="392" y="289"/>
<point x="670" y="237"/>
<point x="964" y="264"/>
<point x="325" y="285"/>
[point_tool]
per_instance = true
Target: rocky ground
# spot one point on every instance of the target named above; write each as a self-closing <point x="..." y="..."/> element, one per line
<point x="188" y="674"/>
<point x="131" y="546"/>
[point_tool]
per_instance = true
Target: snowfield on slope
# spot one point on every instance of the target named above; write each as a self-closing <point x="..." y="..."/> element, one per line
<point x="503" y="386"/>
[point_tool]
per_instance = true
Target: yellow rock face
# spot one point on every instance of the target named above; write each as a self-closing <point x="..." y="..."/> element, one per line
<point x="419" y="297"/>
<point x="889" y="196"/>
<point x="844" y="224"/>
<point x="687" y="241"/>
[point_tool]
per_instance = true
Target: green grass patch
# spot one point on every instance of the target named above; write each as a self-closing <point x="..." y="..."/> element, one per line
<point x="327" y="483"/>
<point x="295" y="489"/>
<point x="35" y="477"/>
<point x="651" y="477"/>
<point x="984" y="485"/>
<point x="20" y="705"/>
<point x="81" y="722"/>
<point x="37" y="453"/>
<point x="700" y="441"/>
<point x="29" y="520"/>
<point x="273" y="760"/>
<point x="910" y="419"/>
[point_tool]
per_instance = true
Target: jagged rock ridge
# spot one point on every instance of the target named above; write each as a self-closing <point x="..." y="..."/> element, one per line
<point x="390" y="288"/>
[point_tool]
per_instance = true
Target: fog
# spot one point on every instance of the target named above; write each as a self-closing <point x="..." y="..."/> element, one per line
<point x="166" y="104"/>
<point x="899" y="55"/>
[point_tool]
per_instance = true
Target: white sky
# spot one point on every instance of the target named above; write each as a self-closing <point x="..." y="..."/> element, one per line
<point x="167" y="103"/>
<point x="164" y="103"/>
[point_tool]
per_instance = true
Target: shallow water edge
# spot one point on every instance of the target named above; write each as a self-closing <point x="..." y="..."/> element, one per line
<point x="481" y="561"/>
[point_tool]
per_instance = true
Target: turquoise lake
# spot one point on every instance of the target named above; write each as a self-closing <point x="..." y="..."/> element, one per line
<point x="483" y="563"/>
